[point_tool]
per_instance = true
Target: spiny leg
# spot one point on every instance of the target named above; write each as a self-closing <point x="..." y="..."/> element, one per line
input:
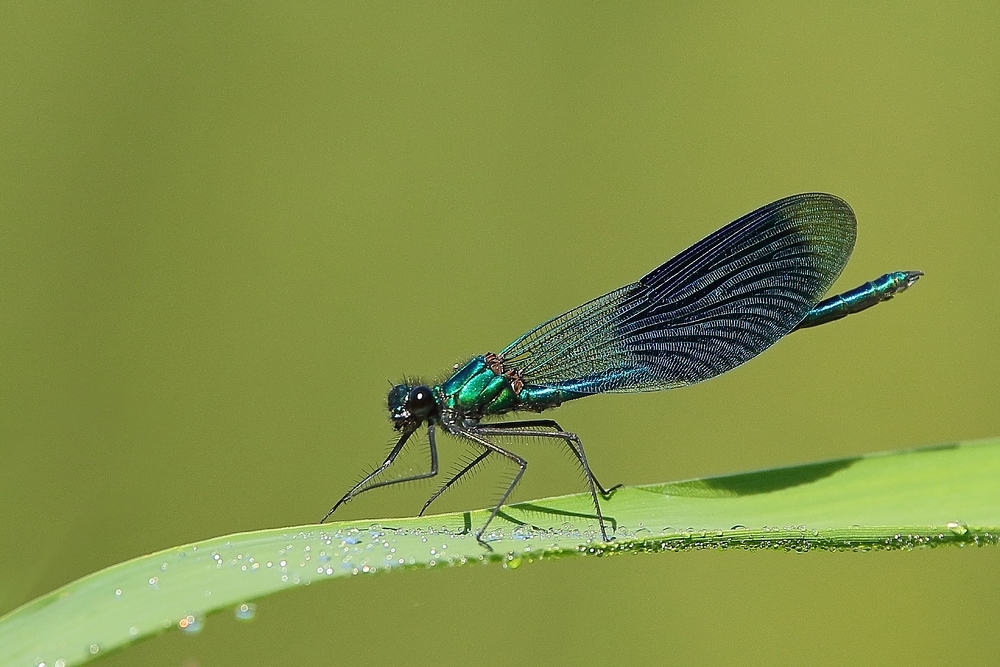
<point x="522" y="465"/>
<point x="365" y="485"/>
<point x="432" y="472"/>
<point x="507" y="430"/>
<point x="457" y="476"/>
<point x="510" y="425"/>
<point x="572" y="441"/>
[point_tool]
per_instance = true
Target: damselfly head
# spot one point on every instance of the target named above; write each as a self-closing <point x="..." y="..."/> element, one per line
<point x="410" y="406"/>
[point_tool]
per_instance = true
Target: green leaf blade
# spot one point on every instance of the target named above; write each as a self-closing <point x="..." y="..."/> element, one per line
<point x="940" y="495"/>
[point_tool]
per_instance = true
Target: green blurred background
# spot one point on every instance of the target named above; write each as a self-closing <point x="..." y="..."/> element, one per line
<point x="222" y="229"/>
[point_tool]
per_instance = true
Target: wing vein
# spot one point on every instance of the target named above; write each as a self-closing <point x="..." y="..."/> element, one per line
<point x="712" y="307"/>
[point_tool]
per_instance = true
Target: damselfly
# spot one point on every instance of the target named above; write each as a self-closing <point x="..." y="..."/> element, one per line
<point x="714" y="306"/>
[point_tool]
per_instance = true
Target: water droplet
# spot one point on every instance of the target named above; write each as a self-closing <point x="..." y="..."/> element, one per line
<point x="61" y="662"/>
<point x="522" y="533"/>
<point x="133" y="631"/>
<point x="512" y="561"/>
<point x="958" y="527"/>
<point x="190" y="624"/>
<point x="152" y="581"/>
<point x="246" y="611"/>
<point x="40" y="663"/>
<point x="118" y="593"/>
<point x="94" y="648"/>
<point x="163" y="568"/>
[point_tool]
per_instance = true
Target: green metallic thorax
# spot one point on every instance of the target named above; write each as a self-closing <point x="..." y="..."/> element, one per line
<point x="476" y="390"/>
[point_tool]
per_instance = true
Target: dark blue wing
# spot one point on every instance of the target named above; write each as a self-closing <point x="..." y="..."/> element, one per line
<point x="714" y="306"/>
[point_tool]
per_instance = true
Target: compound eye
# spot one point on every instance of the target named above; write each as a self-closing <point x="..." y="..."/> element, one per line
<point x="420" y="403"/>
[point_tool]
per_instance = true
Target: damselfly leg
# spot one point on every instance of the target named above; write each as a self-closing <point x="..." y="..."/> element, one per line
<point x="366" y="484"/>
<point x="517" y="429"/>
<point x="491" y="447"/>
<point x="572" y="440"/>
